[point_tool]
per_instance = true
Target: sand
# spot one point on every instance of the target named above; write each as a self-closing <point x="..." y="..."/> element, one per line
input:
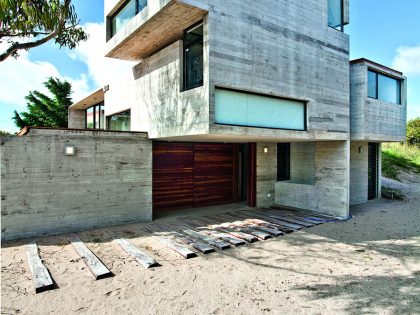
<point x="367" y="265"/>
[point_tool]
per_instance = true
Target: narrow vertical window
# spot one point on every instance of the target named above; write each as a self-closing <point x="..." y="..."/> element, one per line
<point x="335" y="14"/>
<point x="193" y="57"/>
<point x="90" y="118"/>
<point x="372" y="84"/>
<point x="283" y="161"/>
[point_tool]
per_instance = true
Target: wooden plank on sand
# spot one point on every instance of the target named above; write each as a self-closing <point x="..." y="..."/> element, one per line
<point x="208" y="239"/>
<point x="170" y="243"/>
<point x="142" y="258"/>
<point x="40" y="275"/>
<point x="97" y="268"/>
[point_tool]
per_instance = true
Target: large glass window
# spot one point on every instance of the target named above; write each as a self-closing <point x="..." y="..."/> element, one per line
<point x="384" y="88"/>
<point x="254" y="110"/>
<point x="119" y="122"/>
<point x="95" y="117"/>
<point x="193" y="57"/>
<point x="129" y="10"/>
<point x="335" y="14"/>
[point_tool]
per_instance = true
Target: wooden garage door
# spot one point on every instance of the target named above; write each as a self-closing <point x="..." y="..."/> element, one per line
<point x="194" y="174"/>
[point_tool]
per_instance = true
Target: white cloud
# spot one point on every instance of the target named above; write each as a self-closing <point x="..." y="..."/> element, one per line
<point x="19" y="76"/>
<point x="101" y="70"/>
<point x="407" y="60"/>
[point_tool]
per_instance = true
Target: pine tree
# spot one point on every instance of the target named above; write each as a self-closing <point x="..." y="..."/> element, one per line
<point x="45" y="111"/>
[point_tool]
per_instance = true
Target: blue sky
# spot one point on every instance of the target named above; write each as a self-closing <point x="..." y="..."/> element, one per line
<point x="384" y="31"/>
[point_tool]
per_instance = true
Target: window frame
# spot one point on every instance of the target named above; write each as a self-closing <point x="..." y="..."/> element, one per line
<point x="118" y="11"/>
<point x="341" y="28"/>
<point x="108" y="118"/>
<point x="101" y="105"/>
<point x="377" y="74"/>
<point x="184" y="56"/>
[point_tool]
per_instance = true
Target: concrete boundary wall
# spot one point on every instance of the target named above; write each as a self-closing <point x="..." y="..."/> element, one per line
<point x="330" y="192"/>
<point x="43" y="191"/>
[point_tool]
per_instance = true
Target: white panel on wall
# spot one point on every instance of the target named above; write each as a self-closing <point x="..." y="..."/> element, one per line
<point x="246" y="109"/>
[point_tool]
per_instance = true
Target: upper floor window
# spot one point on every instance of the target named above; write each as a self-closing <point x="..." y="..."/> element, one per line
<point x="384" y="88"/>
<point x="336" y="14"/>
<point x="95" y="117"/>
<point x="120" y="121"/>
<point x="193" y="57"/>
<point x="127" y="11"/>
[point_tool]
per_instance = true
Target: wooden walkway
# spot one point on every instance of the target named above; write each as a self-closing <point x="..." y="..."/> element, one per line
<point x="190" y="237"/>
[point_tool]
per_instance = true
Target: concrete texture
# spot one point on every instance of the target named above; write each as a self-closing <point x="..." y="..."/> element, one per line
<point x="266" y="173"/>
<point x="358" y="172"/>
<point x="107" y="182"/>
<point x="371" y="119"/>
<point x="330" y="192"/>
<point x="249" y="48"/>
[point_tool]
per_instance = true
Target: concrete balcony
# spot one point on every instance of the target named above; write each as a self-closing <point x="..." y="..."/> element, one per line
<point x="161" y="23"/>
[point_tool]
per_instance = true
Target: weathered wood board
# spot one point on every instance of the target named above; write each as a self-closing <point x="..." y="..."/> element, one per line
<point x="142" y="258"/>
<point x="98" y="269"/>
<point x="170" y="243"/>
<point x="40" y="275"/>
<point x="208" y="239"/>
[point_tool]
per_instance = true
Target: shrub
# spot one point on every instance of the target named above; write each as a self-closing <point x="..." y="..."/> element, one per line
<point x="413" y="132"/>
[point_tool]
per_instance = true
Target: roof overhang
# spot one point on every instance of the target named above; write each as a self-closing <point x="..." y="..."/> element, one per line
<point x="90" y="100"/>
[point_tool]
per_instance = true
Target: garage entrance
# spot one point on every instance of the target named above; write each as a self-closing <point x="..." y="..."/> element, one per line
<point x="189" y="175"/>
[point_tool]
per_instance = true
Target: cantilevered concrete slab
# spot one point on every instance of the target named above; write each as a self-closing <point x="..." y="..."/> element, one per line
<point x="158" y="25"/>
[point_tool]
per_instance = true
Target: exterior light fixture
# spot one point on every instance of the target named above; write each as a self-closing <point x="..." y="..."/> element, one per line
<point x="70" y="150"/>
<point x="265" y="149"/>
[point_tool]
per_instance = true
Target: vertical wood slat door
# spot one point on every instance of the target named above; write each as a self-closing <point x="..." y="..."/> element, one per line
<point x="173" y="171"/>
<point x="194" y="174"/>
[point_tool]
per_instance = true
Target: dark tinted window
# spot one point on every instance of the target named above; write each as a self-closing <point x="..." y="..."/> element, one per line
<point x="283" y="161"/>
<point x="384" y="88"/>
<point x="193" y="57"/>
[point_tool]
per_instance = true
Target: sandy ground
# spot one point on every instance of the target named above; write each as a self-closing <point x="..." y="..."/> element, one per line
<point x="367" y="265"/>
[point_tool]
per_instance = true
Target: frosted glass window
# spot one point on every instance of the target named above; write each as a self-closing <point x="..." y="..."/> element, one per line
<point x="245" y="109"/>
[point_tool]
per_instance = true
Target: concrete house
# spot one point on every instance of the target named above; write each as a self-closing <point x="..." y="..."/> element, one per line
<point x="252" y="102"/>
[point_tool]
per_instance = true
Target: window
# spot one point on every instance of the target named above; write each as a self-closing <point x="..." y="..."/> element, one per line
<point x="384" y="88"/>
<point x="335" y="14"/>
<point x="283" y="161"/>
<point x="129" y="10"/>
<point x="193" y="57"/>
<point x="120" y="121"/>
<point x="254" y="110"/>
<point x="95" y="117"/>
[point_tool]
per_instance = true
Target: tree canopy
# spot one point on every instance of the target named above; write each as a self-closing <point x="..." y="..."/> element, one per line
<point x="45" y="111"/>
<point x="25" y="24"/>
<point x="413" y="132"/>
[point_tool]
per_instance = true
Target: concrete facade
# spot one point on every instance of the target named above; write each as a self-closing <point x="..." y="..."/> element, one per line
<point x="372" y="119"/>
<point x="43" y="191"/>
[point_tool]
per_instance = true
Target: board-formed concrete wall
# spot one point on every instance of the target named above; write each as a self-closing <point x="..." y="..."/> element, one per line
<point x="302" y="163"/>
<point x="43" y="191"/>
<point x="358" y="172"/>
<point x="330" y="192"/>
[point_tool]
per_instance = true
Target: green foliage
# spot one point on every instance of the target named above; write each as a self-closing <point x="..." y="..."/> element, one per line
<point x="413" y="132"/>
<point x="29" y="23"/>
<point x="45" y="111"/>
<point x="397" y="156"/>
<point x="4" y="133"/>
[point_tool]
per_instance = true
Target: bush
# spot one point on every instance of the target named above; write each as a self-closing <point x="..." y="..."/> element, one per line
<point x="413" y="132"/>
